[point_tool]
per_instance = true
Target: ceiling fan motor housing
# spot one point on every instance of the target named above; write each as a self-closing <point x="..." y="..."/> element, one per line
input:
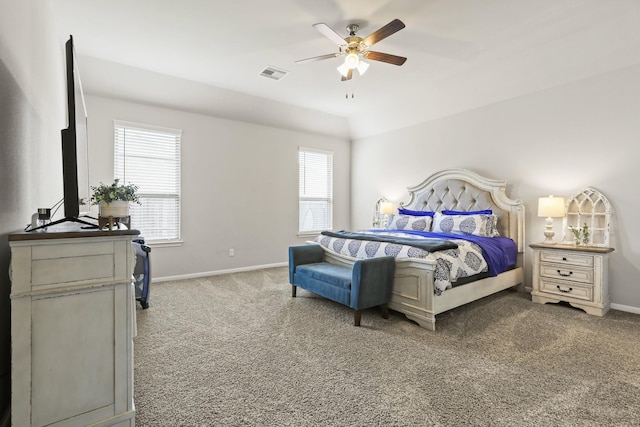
<point x="355" y="45"/>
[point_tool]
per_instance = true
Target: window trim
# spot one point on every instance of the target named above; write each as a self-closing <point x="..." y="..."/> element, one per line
<point x="177" y="241"/>
<point x="330" y="199"/>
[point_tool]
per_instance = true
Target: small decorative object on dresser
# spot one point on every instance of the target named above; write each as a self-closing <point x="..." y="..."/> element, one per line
<point x="113" y="203"/>
<point x="576" y="271"/>
<point x="590" y="211"/>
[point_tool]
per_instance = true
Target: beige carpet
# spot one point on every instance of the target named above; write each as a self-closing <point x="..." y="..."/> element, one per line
<point x="238" y="350"/>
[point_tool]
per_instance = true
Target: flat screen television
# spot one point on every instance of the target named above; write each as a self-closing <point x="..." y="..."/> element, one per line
<point x="75" y="150"/>
<point x="75" y="147"/>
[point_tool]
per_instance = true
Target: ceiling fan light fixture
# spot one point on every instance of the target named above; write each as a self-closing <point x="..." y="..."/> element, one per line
<point x="343" y="69"/>
<point x="351" y="60"/>
<point x="362" y="67"/>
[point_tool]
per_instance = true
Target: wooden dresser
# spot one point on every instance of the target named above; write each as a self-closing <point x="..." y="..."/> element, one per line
<point x="574" y="274"/>
<point x="72" y="328"/>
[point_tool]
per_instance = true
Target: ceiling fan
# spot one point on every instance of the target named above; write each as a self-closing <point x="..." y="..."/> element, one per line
<point x="354" y="48"/>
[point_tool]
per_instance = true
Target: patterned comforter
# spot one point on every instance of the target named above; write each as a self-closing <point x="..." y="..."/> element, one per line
<point x="451" y="264"/>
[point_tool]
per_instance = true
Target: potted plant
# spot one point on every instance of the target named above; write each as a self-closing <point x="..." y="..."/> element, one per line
<point x="581" y="235"/>
<point x="113" y="200"/>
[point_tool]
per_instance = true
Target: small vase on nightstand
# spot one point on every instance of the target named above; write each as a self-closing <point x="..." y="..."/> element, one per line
<point x="580" y="235"/>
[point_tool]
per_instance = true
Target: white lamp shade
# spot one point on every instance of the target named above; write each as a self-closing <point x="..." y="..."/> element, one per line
<point x="362" y="67"/>
<point x="343" y="69"/>
<point x="551" y="207"/>
<point x="386" y="208"/>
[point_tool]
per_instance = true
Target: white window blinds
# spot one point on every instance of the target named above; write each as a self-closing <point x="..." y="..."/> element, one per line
<point x="316" y="190"/>
<point x="149" y="157"/>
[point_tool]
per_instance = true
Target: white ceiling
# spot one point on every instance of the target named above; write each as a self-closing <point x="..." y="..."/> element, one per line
<point x="462" y="54"/>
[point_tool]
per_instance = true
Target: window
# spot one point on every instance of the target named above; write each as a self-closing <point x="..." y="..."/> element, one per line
<point x="149" y="157"/>
<point x="316" y="190"/>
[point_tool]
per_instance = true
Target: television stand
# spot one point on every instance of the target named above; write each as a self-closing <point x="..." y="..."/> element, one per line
<point x="73" y="323"/>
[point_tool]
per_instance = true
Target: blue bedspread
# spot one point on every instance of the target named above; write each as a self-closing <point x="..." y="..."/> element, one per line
<point x="501" y="253"/>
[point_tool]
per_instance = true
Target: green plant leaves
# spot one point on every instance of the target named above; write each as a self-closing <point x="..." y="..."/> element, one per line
<point x="109" y="193"/>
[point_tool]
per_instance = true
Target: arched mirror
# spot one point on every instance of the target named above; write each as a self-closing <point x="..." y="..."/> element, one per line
<point x="590" y="211"/>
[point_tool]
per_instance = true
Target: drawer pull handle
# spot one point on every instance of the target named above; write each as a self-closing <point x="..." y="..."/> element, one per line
<point x="564" y="290"/>
<point x="564" y="258"/>
<point x="565" y="274"/>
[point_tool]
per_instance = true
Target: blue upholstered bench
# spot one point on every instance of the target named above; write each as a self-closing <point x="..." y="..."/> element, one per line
<point x="368" y="283"/>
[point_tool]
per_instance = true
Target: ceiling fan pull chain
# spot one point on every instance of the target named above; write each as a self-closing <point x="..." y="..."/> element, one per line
<point x="346" y="95"/>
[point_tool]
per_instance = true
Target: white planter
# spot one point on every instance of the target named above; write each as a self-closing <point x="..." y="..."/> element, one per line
<point x="116" y="209"/>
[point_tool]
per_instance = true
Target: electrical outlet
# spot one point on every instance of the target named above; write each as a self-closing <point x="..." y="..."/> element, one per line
<point x="232" y="252"/>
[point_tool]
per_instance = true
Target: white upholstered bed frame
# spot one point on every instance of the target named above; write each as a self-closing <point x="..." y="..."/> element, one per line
<point x="455" y="189"/>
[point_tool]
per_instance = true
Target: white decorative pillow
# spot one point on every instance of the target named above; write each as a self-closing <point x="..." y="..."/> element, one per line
<point x="478" y="225"/>
<point x="409" y="222"/>
<point x="494" y="226"/>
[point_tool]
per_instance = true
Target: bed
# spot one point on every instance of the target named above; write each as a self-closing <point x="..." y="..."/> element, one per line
<point x="418" y="289"/>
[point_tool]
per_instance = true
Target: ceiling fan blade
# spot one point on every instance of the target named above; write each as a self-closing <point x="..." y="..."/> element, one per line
<point x="348" y="76"/>
<point x="384" y="32"/>
<point x="330" y="33"/>
<point x="385" y="57"/>
<point x="318" y="58"/>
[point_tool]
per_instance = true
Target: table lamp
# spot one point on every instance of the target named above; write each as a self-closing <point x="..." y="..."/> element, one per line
<point x="550" y="207"/>
<point x="381" y="211"/>
<point x="386" y="209"/>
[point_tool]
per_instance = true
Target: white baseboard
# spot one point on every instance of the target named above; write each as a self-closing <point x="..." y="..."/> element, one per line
<point x="217" y="272"/>
<point x="628" y="308"/>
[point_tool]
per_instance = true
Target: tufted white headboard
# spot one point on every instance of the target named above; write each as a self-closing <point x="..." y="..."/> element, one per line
<point x="463" y="190"/>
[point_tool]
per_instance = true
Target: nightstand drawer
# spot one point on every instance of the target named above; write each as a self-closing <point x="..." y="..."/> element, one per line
<point x="567" y="272"/>
<point x="566" y="289"/>
<point x="558" y="257"/>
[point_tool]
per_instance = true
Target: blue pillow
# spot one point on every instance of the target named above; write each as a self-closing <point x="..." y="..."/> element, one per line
<point x="402" y="211"/>
<point x="483" y="212"/>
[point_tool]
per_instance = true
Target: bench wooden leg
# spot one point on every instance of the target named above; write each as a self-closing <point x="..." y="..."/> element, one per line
<point x="385" y="311"/>
<point x="356" y="317"/>
<point x="293" y="291"/>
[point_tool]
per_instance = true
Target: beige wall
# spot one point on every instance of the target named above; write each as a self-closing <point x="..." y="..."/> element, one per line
<point x="33" y="105"/>
<point x="553" y="142"/>
<point x="239" y="185"/>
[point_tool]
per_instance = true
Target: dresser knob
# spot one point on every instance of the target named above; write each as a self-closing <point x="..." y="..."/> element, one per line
<point x="565" y="274"/>
<point x="564" y="290"/>
<point x="564" y="258"/>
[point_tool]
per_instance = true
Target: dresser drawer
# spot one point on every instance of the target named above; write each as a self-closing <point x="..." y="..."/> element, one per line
<point x="559" y="257"/>
<point x="567" y="272"/>
<point x="566" y="289"/>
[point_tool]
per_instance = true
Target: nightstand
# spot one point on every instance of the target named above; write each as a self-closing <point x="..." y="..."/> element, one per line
<point x="574" y="274"/>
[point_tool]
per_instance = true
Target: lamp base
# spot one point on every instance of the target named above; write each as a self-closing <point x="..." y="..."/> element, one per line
<point x="548" y="232"/>
<point x="549" y="237"/>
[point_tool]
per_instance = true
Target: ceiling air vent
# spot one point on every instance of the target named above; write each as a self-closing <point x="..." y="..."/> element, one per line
<point x="273" y="73"/>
